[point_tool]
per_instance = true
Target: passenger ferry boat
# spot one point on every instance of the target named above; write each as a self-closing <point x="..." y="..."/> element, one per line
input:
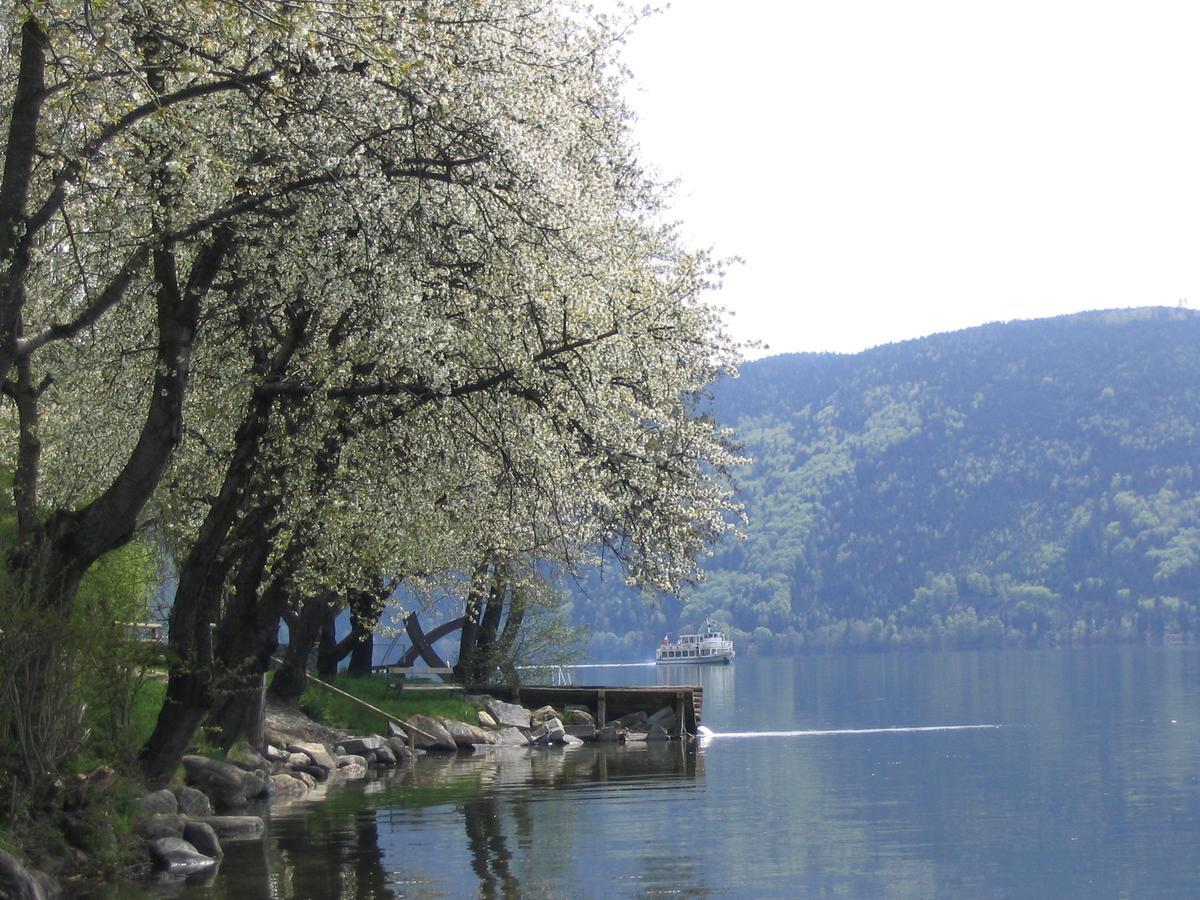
<point x="709" y="646"/>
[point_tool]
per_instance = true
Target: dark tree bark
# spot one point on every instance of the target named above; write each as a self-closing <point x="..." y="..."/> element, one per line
<point x="464" y="667"/>
<point x="202" y="579"/>
<point x="304" y="629"/>
<point x="329" y="651"/>
<point x="365" y="615"/>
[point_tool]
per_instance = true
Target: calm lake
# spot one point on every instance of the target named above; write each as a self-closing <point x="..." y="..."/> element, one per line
<point x="844" y="775"/>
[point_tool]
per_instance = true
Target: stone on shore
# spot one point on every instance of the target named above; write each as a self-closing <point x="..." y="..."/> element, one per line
<point x="485" y="720"/>
<point x="512" y="737"/>
<point x="23" y="883"/>
<point x="226" y="785"/>
<point x="635" y="721"/>
<point x="609" y="734"/>
<point x="577" y="715"/>
<point x="466" y="735"/>
<point x="271" y="753"/>
<point x="549" y="732"/>
<point x="385" y="757"/>
<point x="400" y="749"/>
<point x="361" y="746"/>
<point x="235" y="827"/>
<point x="352" y="766"/>
<point x="657" y="733"/>
<point x="156" y="803"/>
<point x="203" y="837"/>
<point x="429" y="734"/>
<point x="174" y="854"/>
<point x="509" y="714"/>
<point x="318" y="753"/>
<point x="193" y="802"/>
<point x="290" y="785"/>
<point x="543" y="715"/>
<point x="160" y="825"/>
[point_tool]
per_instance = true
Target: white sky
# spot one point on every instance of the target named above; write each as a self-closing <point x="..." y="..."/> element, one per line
<point x="893" y="168"/>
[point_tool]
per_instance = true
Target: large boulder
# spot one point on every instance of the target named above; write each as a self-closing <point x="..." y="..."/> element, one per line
<point x="512" y="737"/>
<point x="485" y="720"/>
<point x="318" y="753"/>
<point x="543" y="715"/>
<point x="193" y="802"/>
<point x="609" y="734"/>
<point x="287" y="786"/>
<point x="549" y="732"/>
<point x="226" y="785"/>
<point x="22" y="883"/>
<point x="235" y="827"/>
<point x="577" y="715"/>
<point x="203" y="837"/>
<point x="361" y="746"/>
<point x="174" y="854"/>
<point x="657" y="733"/>
<point x="160" y="826"/>
<point x="466" y="735"/>
<point x="400" y="749"/>
<point x="158" y="803"/>
<point x="633" y="720"/>
<point x="665" y="717"/>
<point x="509" y="714"/>
<point x="384" y="757"/>
<point x="351" y="766"/>
<point x="582" y="732"/>
<point x="430" y="734"/>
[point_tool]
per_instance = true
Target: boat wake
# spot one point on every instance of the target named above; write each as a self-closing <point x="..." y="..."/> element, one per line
<point x="706" y="734"/>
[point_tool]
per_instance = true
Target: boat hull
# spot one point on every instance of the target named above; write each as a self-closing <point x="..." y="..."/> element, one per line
<point x="724" y="659"/>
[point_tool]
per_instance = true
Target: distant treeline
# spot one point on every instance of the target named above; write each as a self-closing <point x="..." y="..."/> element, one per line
<point x="1027" y="483"/>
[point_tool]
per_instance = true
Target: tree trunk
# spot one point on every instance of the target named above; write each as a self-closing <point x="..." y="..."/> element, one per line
<point x="489" y="625"/>
<point x="303" y="632"/>
<point x="365" y="615"/>
<point x="464" y="667"/>
<point x="202" y="579"/>
<point x="186" y="702"/>
<point x="328" y="650"/>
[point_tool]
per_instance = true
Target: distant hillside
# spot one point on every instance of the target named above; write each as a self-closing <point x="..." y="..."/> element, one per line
<point x="1027" y="482"/>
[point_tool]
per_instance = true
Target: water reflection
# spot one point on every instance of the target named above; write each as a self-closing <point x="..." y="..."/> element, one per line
<point x="499" y="823"/>
<point x="1089" y="788"/>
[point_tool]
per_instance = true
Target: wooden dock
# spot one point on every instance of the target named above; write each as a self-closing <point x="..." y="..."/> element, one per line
<point x="608" y="703"/>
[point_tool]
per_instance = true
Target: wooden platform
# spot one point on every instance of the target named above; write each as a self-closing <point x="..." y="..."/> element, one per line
<point x="608" y="703"/>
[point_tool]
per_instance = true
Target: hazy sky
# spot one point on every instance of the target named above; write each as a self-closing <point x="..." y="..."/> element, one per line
<point x="892" y="168"/>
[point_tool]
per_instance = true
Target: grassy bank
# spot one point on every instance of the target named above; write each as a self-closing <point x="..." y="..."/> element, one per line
<point x="342" y="713"/>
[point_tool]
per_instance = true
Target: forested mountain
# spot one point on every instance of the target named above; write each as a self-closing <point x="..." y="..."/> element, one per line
<point x="1028" y="482"/>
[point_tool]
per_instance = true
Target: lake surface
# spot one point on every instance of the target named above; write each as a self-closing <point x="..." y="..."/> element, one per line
<point x="839" y="775"/>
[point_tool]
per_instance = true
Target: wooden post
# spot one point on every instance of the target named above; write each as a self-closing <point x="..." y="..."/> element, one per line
<point x="679" y="710"/>
<point x="601" y="708"/>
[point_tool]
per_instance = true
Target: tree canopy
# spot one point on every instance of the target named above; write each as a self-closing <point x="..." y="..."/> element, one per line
<point x="327" y="293"/>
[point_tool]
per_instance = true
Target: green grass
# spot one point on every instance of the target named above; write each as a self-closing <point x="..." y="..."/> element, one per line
<point x="117" y="747"/>
<point x="339" y="712"/>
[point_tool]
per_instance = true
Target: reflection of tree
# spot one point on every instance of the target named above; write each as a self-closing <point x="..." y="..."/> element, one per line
<point x="327" y="866"/>
<point x="490" y="856"/>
